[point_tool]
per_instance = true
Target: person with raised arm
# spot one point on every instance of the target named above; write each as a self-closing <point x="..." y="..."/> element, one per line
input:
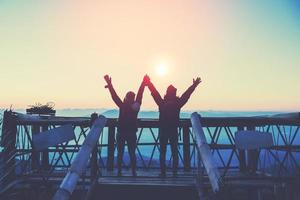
<point x="169" y="111"/>
<point x="127" y="121"/>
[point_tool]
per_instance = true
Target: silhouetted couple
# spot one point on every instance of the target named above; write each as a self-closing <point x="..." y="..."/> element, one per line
<point x="169" y="110"/>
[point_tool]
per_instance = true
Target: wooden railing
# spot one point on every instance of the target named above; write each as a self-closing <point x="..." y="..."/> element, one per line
<point x="24" y="161"/>
<point x="248" y="175"/>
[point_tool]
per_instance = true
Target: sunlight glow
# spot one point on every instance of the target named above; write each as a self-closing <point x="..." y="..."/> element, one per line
<point x="161" y="69"/>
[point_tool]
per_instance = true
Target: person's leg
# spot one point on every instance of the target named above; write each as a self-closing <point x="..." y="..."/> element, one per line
<point x="131" y="141"/>
<point x="121" y="146"/>
<point x="163" y="140"/>
<point x="174" y="149"/>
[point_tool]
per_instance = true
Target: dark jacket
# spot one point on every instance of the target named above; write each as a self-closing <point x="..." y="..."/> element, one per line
<point x="169" y="108"/>
<point x="127" y="121"/>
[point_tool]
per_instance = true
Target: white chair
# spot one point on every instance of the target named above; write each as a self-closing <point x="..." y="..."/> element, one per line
<point x="252" y="142"/>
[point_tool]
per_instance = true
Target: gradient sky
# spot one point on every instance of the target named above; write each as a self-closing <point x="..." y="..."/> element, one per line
<point x="246" y="52"/>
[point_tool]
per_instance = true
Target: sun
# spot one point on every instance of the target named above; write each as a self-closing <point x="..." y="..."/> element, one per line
<point x="161" y="69"/>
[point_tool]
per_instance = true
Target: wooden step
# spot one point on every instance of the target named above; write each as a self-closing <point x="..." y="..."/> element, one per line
<point x="148" y="181"/>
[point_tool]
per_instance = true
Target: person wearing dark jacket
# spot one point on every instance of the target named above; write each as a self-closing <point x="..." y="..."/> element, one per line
<point x="127" y="121"/>
<point x="169" y="110"/>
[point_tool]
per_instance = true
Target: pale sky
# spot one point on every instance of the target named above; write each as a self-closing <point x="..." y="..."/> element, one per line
<point x="246" y="52"/>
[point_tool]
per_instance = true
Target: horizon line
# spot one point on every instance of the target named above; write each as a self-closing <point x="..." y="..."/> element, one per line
<point x="156" y="110"/>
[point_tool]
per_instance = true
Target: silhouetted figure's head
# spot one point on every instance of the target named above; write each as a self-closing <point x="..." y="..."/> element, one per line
<point x="129" y="98"/>
<point x="171" y="93"/>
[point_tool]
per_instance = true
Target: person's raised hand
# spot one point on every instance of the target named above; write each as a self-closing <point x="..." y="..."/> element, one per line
<point x="108" y="81"/>
<point x="197" y="81"/>
<point x="146" y="79"/>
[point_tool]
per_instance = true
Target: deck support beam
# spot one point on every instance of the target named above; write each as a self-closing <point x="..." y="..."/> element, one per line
<point x="186" y="148"/>
<point x="252" y="155"/>
<point x="94" y="158"/>
<point x="111" y="148"/>
<point x="35" y="155"/>
<point x="242" y="155"/>
<point x="45" y="153"/>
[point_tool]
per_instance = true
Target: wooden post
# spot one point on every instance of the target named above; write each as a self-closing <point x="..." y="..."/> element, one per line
<point x="94" y="158"/>
<point x="45" y="154"/>
<point x="186" y="148"/>
<point x="206" y="155"/>
<point x="111" y="148"/>
<point x="35" y="158"/>
<point x="252" y="155"/>
<point x="9" y="133"/>
<point x="242" y="155"/>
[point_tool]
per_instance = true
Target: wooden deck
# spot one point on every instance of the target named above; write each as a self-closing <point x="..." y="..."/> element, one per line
<point x="146" y="185"/>
<point x="148" y="178"/>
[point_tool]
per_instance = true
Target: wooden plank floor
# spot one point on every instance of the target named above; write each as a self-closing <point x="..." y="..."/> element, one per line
<point x="151" y="177"/>
<point x="148" y="178"/>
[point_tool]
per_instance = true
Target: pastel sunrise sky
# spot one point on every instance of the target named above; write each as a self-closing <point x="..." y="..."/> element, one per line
<point x="245" y="51"/>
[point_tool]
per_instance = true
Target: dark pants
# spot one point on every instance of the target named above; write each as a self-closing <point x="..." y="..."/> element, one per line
<point x="131" y="143"/>
<point x="170" y="135"/>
